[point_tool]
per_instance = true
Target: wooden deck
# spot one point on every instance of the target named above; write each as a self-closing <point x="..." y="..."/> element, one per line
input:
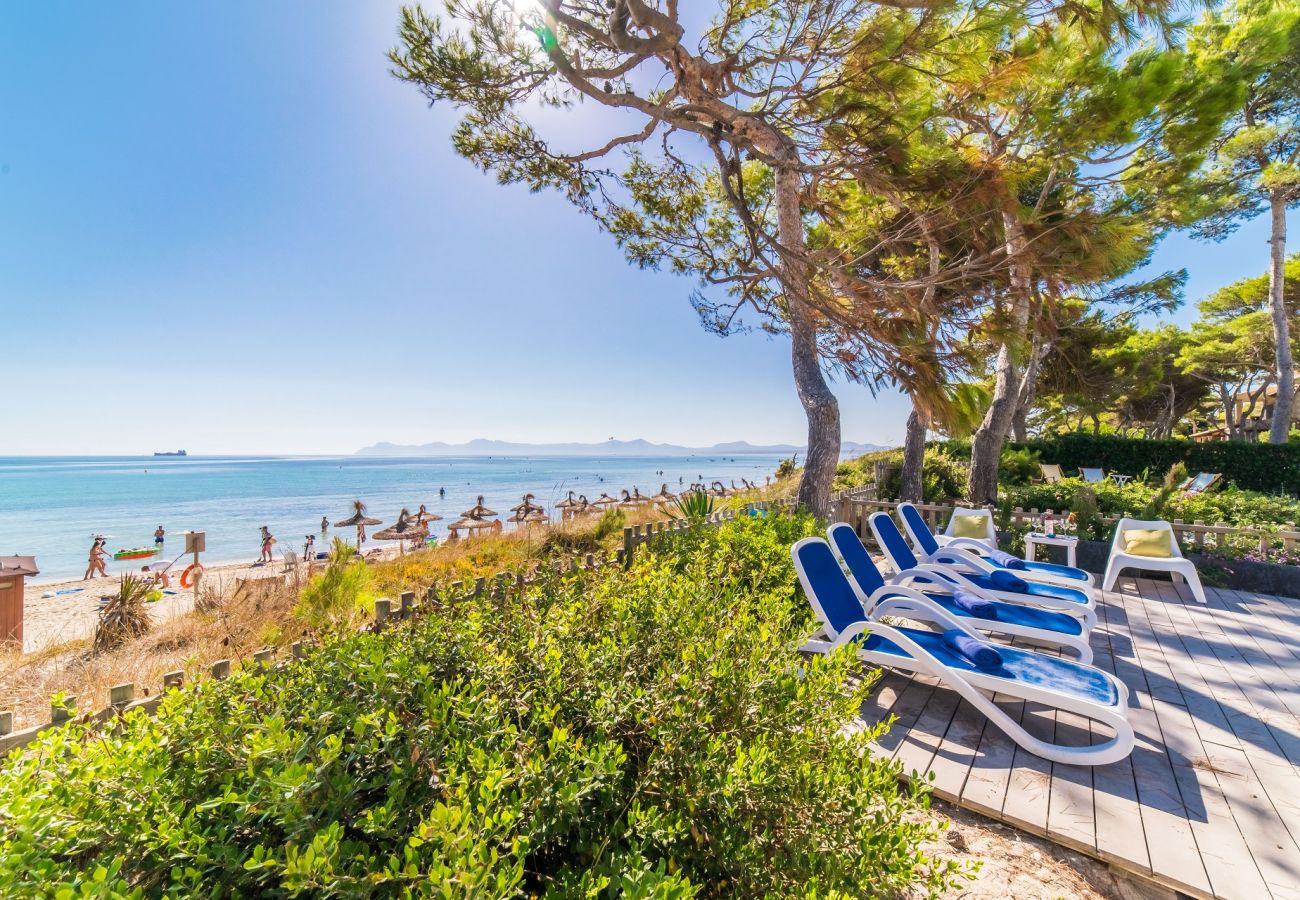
<point x="1209" y="801"/>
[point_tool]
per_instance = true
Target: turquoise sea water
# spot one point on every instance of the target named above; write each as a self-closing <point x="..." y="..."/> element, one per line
<point x="51" y="506"/>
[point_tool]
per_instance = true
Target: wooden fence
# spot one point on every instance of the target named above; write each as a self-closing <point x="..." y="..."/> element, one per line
<point x="1196" y="536"/>
<point x="124" y="698"/>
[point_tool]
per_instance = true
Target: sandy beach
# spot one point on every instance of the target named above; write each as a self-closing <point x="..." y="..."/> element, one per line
<point x="70" y="614"/>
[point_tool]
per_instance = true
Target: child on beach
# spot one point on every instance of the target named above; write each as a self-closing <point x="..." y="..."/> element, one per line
<point x="267" y="541"/>
<point x="96" y="562"/>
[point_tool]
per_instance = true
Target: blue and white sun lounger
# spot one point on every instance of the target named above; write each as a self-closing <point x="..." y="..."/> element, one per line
<point x="929" y="550"/>
<point x="1003" y="585"/>
<point x="955" y="657"/>
<point x="973" y="606"/>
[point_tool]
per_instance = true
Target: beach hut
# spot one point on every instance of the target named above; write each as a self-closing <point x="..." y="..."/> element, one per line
<point x="13" y="571"/>
<point x="359" y="520"/>
<point x="406" y="528"/>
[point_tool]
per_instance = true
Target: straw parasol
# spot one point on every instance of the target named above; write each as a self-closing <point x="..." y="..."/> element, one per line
<point x="479" y="511"/>
<point x="536" y="517"/>
<point x="664" y="496"/>
<point x="406" y="528"/>
<point x="569" y="507"/>
<point x="718" y="489"/>
<point x="360" y="520"/>
<point x="522" y="511"/>
<point x="604" y="500"/>
<point x="423" y="516"/>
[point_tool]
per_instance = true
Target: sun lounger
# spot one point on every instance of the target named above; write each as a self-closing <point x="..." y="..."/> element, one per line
<point x="1150" y="546"/>
<point x="977" y="609"/>
<point x="1093" y="476"/>
<point x="1051" y="472"/>
<point x="955" y="658"/>
<point x="1200" y="483"/>
<point x="1003" y="585"/>
<point x="928" y="549"/>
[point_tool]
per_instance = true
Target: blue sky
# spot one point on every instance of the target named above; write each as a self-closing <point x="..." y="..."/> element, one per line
<point x="225" y="227"/>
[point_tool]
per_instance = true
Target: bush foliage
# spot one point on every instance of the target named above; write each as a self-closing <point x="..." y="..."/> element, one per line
<point x="649" y="732"/>
<point x="1273" y="468"/>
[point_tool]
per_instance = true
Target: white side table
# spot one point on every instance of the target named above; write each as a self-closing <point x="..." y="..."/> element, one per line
<point x="1034" y="538"/>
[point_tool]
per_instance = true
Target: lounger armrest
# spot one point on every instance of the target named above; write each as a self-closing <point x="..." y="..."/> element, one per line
<point x="849" y="634"/>
<point x="914" y="603"/>
<point x="960" y="559"/>
<point x="978" y="546"/>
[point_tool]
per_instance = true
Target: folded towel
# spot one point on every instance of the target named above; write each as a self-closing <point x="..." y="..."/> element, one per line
<point x="1005" y="580"/>
<point x="1006" y="560"/>
<point x="981" y="654"/>
<point x="975" y="605"/>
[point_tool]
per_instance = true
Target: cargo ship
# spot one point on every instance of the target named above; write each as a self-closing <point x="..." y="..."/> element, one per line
<point x="170" y="453"/>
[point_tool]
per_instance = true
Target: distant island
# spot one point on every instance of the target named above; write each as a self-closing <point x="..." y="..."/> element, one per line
<point x="638" y="447"/>
<point x="170" y="453"/>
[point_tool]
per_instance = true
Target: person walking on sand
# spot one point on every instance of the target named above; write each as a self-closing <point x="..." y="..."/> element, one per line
<point x="96" y="562"/>
<point x="268" y="540"/>
<point x="158" y="537"/>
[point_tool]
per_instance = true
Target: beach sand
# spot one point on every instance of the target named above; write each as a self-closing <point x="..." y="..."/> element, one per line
<point x="50" y="621"/>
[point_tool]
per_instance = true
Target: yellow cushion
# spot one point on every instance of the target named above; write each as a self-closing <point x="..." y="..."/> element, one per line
<point x="1154" y="542"/>
<point x="968" y="526"/>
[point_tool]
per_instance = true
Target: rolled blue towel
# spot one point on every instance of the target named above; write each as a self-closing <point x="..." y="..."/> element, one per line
<point x="975" y="605"/>
<point x="1006" y="560"/>
<point x="1005" y="580"/>
<point x="981" y="654"/>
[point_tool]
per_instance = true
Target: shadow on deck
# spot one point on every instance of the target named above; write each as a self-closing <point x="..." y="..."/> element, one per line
<point x="1209" y="801"/>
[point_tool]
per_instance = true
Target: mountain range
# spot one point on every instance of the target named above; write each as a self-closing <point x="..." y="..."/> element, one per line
<point x="638" y="447"/>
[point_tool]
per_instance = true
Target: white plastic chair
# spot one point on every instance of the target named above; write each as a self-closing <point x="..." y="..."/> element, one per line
<point x="990" y="538"/>
<point x="1176" y="564"/>
<point x="1023" y="674"/>
<point x="290" y="561"/>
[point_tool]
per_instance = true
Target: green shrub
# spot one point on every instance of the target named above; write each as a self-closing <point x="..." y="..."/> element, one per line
<point x="1255" y="466"/>
<point x="649" y="732"/>
<point x="695" y="506"/>
<point x="332" y="598"/>
<point x="1018" y="466"/>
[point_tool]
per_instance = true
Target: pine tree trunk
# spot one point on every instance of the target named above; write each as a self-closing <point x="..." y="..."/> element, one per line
<point x="910" y="487"/>
<point x="1282" y="407"/>
<point x="819" y="404"/>
<point x="986" y="445"/>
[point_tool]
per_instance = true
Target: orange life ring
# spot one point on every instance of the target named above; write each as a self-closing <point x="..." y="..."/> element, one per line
<point x="194" y="569"/>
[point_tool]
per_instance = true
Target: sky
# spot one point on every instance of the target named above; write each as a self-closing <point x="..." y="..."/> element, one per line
<point x="226" y="227"/>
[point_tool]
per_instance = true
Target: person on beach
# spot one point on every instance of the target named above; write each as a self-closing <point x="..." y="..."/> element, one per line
<point x="158" y="537"/>
<point x="442" y="492"/>
<point x="324" y="526"/>
<point x="96" y="562"/>
<point x="159" y="575"/>
<point x="309" y="548"/>
<point x="267" y="541"/>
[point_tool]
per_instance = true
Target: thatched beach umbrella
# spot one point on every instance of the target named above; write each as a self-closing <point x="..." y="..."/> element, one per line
<point x="522" y="511"/>
<point x="665" y="496"/>
<point x="479" y="511"/>
<point x="718" y="489"/>
<point x="604" y="500"/>
<point x="536" y="517"/>
<point x="406" y="528"/>
<point x="471" y="525"/>
<point x="360" y="520"/>
<point x="423" y="516"/>
<point x="569" y="507"/>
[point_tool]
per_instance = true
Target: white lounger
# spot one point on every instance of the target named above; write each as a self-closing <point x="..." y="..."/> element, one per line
<point x="988" y="539"/>
<point x="929" y="550"/>
<point x="1176" y="564"/>
<point x="1075" y="601"/>
<point x="1011" y="620"/>
<point x="1024" y="674"/>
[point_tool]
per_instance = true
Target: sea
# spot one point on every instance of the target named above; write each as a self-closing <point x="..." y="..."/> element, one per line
<point x="52" y="507"/>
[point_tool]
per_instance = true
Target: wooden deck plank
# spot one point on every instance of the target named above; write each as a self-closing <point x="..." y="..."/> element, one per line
<point x="1209" y="801"/>
<point x="1120" y="836"/>
<point x="1171" y="845"/>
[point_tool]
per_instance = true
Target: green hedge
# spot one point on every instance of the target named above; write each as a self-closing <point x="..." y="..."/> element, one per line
<point x="1273" y="468"/>
<point x="641" y="733"/>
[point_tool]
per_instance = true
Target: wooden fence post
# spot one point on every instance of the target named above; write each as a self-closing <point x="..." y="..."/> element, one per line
<point x="62" y="712"/>
<point x="383" y="606"/>
<point x="221" y="668"/>
<point x="629" y="541"/>
<point x="121" y="694"/>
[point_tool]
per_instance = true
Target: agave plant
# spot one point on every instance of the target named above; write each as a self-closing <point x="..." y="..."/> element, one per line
<point x="695" y="506"/>
<point x="124" y="617"/>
